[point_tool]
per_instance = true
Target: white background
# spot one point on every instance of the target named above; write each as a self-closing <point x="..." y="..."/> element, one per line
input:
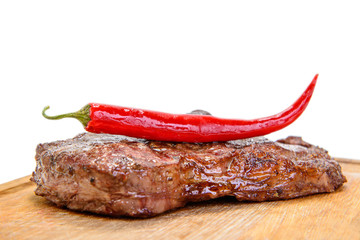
<point x="231" y="58"/>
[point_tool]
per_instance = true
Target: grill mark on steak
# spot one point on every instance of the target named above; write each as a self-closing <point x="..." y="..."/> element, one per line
<point x="122" y="176"/>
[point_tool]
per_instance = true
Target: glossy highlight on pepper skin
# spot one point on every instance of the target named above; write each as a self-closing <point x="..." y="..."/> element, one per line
<point x="161" y="126"/>
<point x="152" y="125"/>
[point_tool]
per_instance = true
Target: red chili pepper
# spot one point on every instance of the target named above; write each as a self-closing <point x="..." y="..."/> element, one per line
<point x="152" y="125"/>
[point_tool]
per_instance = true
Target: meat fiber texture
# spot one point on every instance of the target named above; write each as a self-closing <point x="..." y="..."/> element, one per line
<point x="121" y="176"/>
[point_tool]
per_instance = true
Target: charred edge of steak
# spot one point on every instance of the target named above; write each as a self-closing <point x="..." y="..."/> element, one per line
<point x="121" y="176"/>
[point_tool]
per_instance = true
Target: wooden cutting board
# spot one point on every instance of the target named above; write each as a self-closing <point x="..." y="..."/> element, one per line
<point x="23" y="215"/>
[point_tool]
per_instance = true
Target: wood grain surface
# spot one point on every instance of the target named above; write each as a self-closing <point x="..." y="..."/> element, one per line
<point x="23" y="215"/>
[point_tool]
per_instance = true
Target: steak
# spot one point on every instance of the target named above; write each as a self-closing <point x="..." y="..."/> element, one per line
<point x="121" y="176"/>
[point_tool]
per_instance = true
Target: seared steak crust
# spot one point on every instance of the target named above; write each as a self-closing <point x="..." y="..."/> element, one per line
<point x="121" y="176"/>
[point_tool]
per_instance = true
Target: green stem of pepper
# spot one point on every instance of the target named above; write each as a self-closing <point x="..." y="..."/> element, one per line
<point x="83" y="115"/>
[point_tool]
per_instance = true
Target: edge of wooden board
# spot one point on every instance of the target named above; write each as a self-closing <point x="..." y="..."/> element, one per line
<point x="347" y="160"/>
<point x="15" y="183"/>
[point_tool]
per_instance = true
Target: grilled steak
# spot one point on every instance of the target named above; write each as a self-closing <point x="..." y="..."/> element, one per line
<point x="121" y="176"/>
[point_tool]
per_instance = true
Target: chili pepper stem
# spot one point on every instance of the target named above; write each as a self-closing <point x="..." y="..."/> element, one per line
<point x="83" y="115"/>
